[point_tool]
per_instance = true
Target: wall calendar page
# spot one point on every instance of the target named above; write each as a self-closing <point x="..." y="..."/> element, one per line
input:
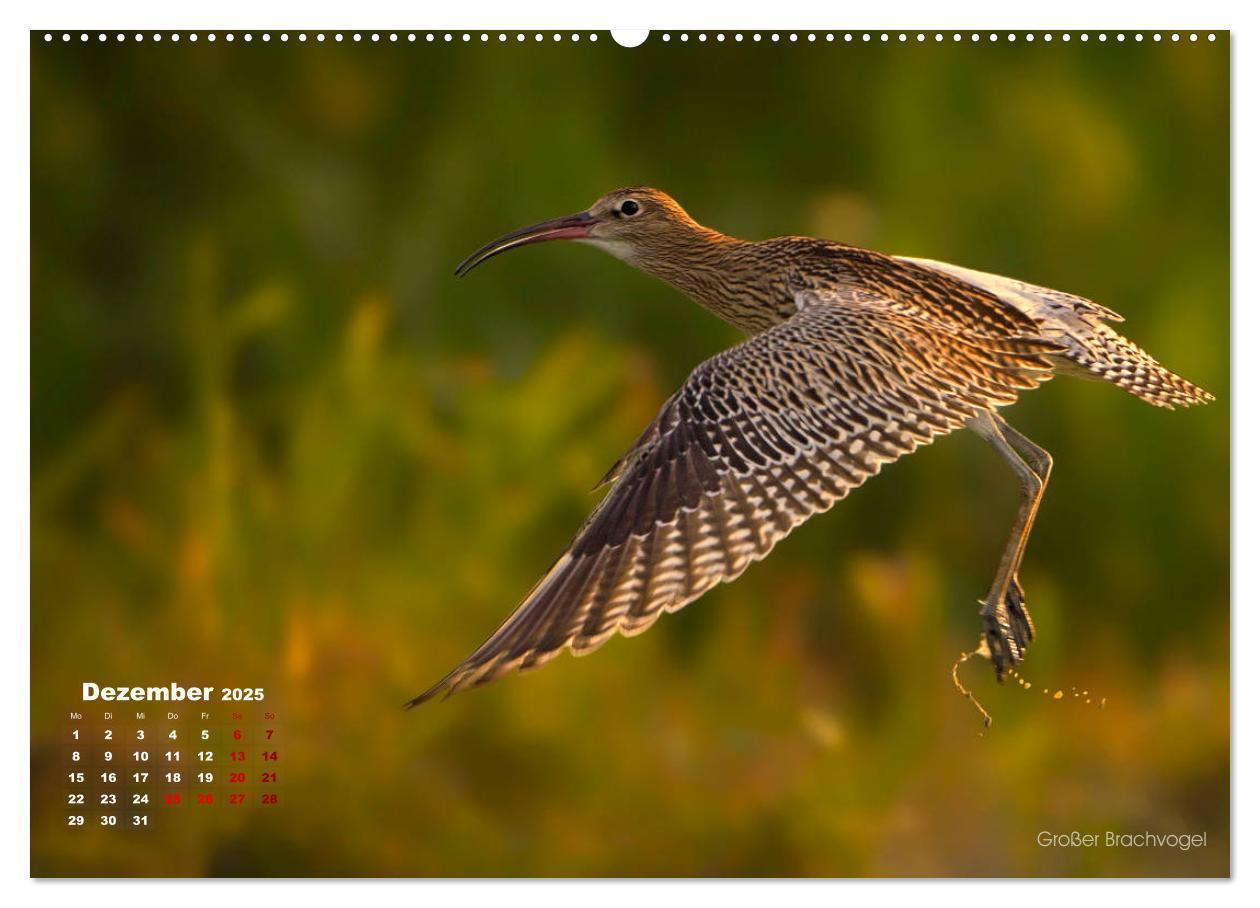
<point x="667" y="453"/>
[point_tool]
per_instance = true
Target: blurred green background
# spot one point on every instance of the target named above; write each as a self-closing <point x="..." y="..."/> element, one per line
<point x="276" y="443"/>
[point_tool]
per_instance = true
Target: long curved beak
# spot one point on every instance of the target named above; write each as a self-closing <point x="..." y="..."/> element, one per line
<point x="571" y="227"/>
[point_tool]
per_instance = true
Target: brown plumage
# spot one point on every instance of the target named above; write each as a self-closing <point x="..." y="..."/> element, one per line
<point x="855" y="359"/>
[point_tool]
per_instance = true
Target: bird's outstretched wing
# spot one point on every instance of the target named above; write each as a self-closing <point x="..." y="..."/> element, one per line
<point x="759" y="438"/>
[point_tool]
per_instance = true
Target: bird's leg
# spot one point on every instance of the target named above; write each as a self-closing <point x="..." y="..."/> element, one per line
<point x="1008" y="628"/>
<point x="1041" y="463"/>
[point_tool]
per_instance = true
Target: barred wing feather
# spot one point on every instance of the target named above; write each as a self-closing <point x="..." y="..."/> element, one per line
<point x="758" y="439"/>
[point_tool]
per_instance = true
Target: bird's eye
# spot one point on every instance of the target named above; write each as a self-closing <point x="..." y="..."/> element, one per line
<point x="629" y="207"/>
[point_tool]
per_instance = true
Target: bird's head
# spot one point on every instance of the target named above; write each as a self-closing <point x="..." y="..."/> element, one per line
<point x="627" y="223"/>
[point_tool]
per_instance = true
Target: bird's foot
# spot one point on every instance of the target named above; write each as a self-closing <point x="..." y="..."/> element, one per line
<point x="1008" y="629"/>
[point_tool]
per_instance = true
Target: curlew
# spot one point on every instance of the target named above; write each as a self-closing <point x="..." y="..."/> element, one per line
<point x="853" y="360"/>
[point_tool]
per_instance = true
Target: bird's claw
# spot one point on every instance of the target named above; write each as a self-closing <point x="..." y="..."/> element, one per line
<point x="1021" y="620"/>
<point x="1008" y="629"/>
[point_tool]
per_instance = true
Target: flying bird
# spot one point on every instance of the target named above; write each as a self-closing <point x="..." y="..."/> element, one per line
<point x="853" y="360"/>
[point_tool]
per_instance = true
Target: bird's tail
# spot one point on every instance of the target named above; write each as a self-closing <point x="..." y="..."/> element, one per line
<point x="1106" y="355"/>
<point x="1092" y="348"/>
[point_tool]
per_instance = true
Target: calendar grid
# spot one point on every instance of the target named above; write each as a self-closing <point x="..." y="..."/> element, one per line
<point x="128" y="769"/>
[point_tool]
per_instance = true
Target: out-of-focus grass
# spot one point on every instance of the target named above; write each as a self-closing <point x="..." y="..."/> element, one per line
<point x="276" y="443"/>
